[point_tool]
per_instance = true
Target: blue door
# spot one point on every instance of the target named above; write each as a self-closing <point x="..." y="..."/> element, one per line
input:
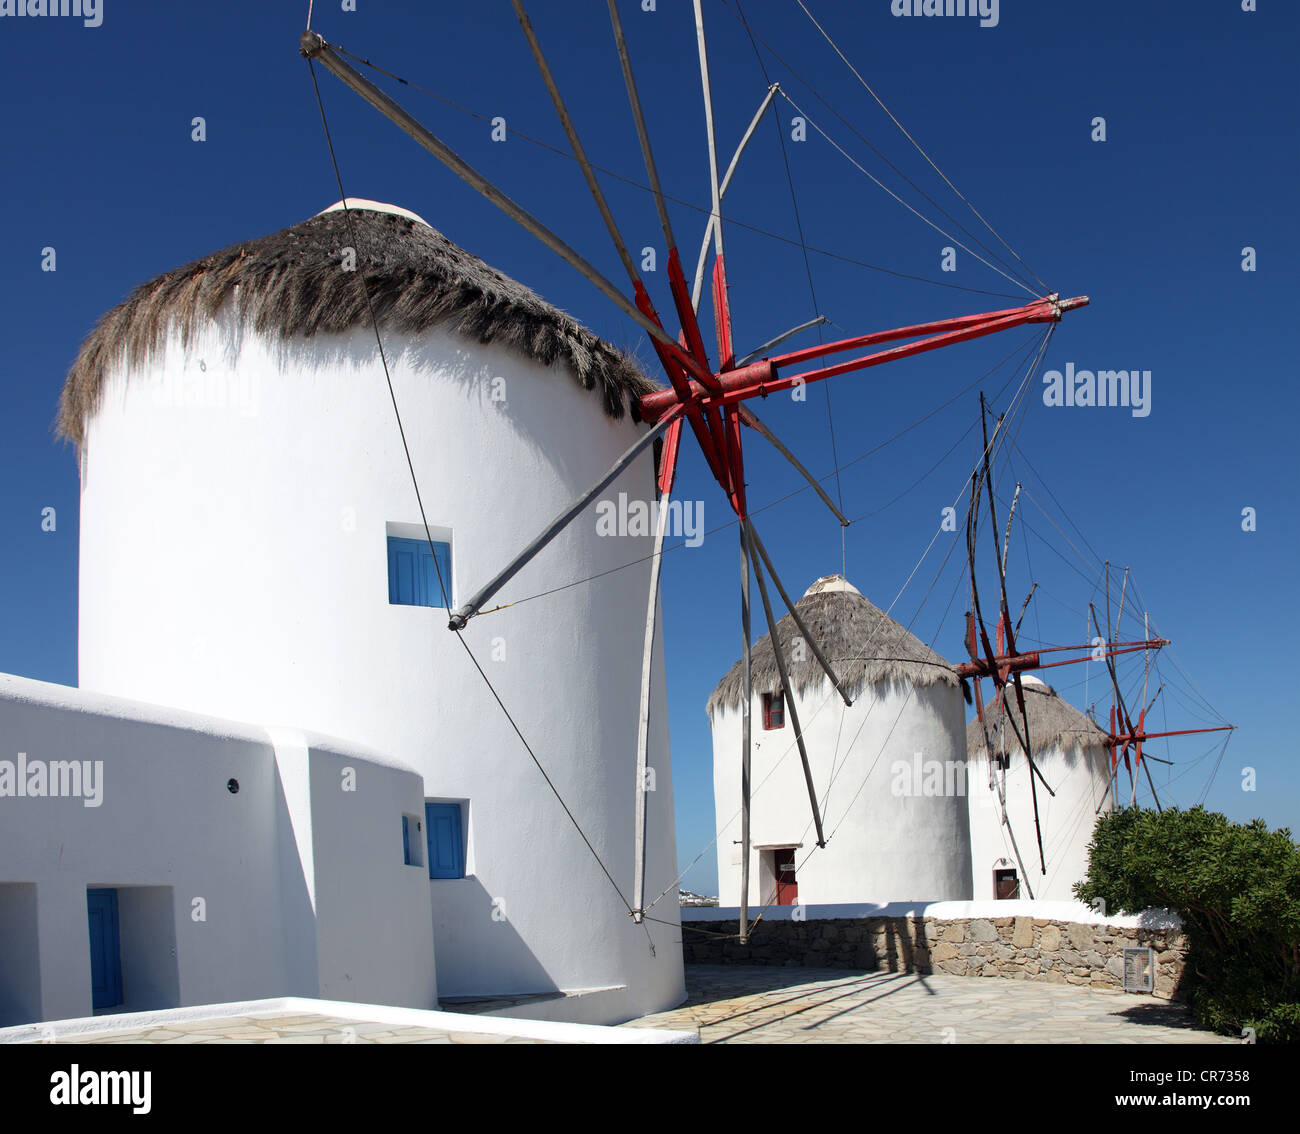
<point x="105" y="949"/>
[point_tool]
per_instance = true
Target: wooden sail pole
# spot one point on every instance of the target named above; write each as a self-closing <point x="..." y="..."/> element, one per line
<point x="706" y="424"/>
<point x="643" y="717"/>
<point x="464" y="613"/>
<point x="698" y="286"/>
<point x="721" y="304"/>
<point x="760" y="351"/>
<point x="715" y="218"/>
<point x="746" y="694"/>
<point x="750" y="418"/>
<point x="707" y="427"/>
<point x="552" y="88"/>
<point x="668" y="473"/>
<point x="1005" y="619"/>
<point x="314" y="47"/>
<point x="798" y="618"/>
<point x="643" y="135"/>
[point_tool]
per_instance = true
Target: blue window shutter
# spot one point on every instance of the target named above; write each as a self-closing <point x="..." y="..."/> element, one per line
<point x="402" y="562"/>
<point x="446" y="840"/>
<point x="442" y="554"/>
<point x="406" y="841"/>
<point x="412" y="577"/>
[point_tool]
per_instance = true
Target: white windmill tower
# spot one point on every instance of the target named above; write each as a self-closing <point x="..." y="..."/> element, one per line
<point x="1070" y="753"/>
<point x="889" y="771"/>
<point x="252" y="547"/>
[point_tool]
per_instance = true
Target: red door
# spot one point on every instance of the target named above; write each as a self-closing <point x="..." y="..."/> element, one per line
<point x="787" y="890"/>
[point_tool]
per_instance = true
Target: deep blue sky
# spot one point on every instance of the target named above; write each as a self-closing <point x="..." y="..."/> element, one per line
<point x="1200" y="101"/>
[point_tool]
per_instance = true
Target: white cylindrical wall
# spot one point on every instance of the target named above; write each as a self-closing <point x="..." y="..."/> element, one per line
<point x="236" y="499"/>
<point x="1079" y="777"/>
<point x="891" y="835"/>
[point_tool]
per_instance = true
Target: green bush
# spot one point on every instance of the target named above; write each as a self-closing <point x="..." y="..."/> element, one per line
<point x="1236" y="887"/>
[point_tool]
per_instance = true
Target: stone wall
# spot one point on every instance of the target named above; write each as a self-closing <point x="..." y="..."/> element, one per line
<point x="1015" y="948"/>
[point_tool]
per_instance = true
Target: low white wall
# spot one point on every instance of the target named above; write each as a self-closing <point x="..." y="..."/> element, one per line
<point x="374" y="922"/>
<point x="255" y="902"/>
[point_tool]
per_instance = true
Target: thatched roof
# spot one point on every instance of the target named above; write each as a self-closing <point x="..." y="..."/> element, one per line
<point x="1053" y="723"/>
<point x="291" y="284"/>
<point x="863" y="644"/>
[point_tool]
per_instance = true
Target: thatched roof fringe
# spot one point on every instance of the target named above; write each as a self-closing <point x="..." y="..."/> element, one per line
<point x="291" y="283"/>
<point x="1053" y="723"/>
<point x="862" y="643"/>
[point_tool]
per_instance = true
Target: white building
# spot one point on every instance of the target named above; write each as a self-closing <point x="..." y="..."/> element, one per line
<point x="252" y="549"/>
<point x="1071" y="753"/>
<point x="890" y="771"/>
<point x="217" y="862"/>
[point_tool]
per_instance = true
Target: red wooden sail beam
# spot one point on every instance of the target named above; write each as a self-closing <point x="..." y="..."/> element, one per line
<point x="668" y="457"/>
<point x="759" y="379"/>
<point x="1020" y="662"/>
<point x="705" y="425"/>
<point x="1137" y="735"/>
<point x="1123" y="736"/>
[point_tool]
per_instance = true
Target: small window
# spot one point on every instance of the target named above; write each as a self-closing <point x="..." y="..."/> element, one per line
<point x="414" y="571"/>
<point x="412" y="841"/>
<point x="445" y="826"/>
<point x="773" y="710"/>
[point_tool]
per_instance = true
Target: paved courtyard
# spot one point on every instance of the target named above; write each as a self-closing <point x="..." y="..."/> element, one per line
<point x="767" y="1004"/>
<point x="296" y="1029"/>
<point x="301" y="1020"/>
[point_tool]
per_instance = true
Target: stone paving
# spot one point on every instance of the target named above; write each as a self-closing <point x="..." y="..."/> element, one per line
<point x="290" y="1029"/>
<point x="768" y="1004"/>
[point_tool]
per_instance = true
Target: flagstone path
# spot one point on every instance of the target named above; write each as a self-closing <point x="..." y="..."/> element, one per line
<point x="768" y="1004"/>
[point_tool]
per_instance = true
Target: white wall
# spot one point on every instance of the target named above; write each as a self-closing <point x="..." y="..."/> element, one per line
<point x="233" y="562"/>
<point x="373" y="914"/>
<point x="886" y="847"/>
<point x="1079" y="778"/>
<point x="20" y="973"/>
<point x="168" y="832"/>
<point x="149" y="957"/>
